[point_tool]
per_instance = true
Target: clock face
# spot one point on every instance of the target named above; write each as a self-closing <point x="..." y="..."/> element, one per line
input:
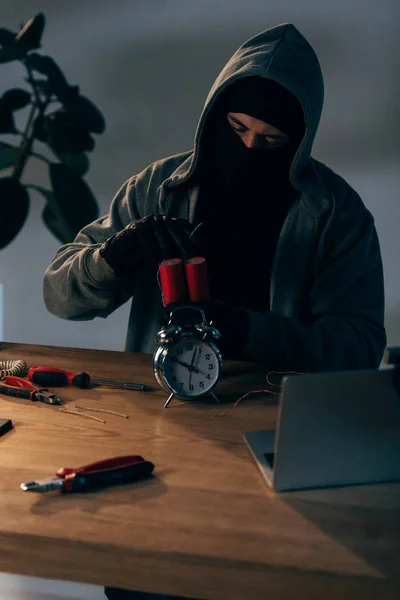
<point x="191" y="368"/>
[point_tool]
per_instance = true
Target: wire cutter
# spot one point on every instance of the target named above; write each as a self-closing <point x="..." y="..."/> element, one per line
<point x="114" y="471"/>
<point x="21" y="388"/>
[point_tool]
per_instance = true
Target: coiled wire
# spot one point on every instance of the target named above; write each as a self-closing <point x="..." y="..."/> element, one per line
<point x="17" y="368"/>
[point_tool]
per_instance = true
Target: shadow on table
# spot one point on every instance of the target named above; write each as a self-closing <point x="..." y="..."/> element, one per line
<point x="365" y="519"/>
<point x="139" y="491"/>
<point x="225" y="422"/>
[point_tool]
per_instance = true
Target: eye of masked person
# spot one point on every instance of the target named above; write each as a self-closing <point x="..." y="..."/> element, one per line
<point x="256" y="134"/>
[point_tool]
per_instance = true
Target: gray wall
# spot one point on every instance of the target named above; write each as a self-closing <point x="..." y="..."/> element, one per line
<point x="149" y="66"/>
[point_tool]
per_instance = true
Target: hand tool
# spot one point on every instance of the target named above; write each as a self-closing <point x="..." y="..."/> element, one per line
<point x="20" y="388"/>
<point x="18" y="368"/>
<point x="56" y="377"/>
<point x="105" y="473"/>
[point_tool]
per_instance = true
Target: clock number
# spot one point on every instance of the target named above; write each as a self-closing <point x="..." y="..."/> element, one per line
<point x="207" y="356"/>
<point x="191" y="387"/>
<point x="201" y="384"/>
<point x="210" y="367"/>
<point x="181" y="384"/>
<point x="173" y="378"/>
<point x="170" y="369"/>
<point x="179" y="351"/>
<point x="208" y="376"/>
<point x="189" y="347"/>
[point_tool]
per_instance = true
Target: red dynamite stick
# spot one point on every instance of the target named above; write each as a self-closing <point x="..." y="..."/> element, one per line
<point x="197" y="279"/>
<point x="172" y="279"/>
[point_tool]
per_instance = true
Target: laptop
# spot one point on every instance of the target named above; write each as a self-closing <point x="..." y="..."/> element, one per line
<point x="333" y="429"/>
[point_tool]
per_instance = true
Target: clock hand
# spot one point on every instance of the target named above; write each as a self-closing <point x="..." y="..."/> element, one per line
<point x="196" y="369"/>
<point x="191" y="366"/>
<point x="180" y="362"/>
<point x="193" y="357"/>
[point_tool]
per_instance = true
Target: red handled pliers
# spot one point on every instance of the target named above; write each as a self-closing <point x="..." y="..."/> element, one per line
<point x="21" y="388"/>
<point x="113" y="471"/>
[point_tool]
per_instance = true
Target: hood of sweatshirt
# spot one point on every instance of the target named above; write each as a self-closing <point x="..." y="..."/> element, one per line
<point x="282" y="54"/>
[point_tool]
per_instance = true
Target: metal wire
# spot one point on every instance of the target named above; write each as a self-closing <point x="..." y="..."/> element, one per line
<point x="16" y="368"/>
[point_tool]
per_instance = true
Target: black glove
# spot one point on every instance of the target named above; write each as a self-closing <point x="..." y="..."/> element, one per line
<point x="233" y="322"/>
<point x="149" y="240"/>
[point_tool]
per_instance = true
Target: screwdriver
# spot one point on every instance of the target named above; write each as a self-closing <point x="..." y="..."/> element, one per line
<point x="51" y="376"/>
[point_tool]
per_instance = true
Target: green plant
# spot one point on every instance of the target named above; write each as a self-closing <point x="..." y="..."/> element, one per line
<point x="58" y="116"/>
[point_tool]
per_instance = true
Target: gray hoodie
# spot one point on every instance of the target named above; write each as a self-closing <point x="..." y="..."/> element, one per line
<point x="326" y="298"/>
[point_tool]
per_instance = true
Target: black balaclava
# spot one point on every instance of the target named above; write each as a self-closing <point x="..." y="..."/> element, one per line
<point x="239" y="169"/>
<point x="245" y="194"/>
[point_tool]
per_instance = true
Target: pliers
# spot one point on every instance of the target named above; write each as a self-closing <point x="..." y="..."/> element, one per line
<point x="113" y="471"/>
<point x="21" y="388"/>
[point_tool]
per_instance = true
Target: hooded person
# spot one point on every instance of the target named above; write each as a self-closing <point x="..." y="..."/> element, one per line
<point x="294" y="260"/>
<point x="245" y="190"/>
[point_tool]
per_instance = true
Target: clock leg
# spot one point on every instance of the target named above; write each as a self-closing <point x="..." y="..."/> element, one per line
<point x="169" y="400"/>
<point x="215" y="397"/>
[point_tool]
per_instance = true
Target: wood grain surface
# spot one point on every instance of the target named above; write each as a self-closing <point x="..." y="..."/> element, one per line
<point x="206" y="525"/>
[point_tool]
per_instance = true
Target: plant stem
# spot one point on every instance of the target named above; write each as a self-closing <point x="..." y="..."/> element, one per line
<point x="41" y="105"/>
<point x="27" y="136"/>
<point x="26" y="146"/>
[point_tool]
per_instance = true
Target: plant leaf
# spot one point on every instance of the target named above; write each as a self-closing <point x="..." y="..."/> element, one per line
<point x="74" y="204"/>
<point x="8" y="156"/>
<point x="88" y="113"/>
<point x="14" y="209"/>
<point x="51" y="217"/>
<point x="79" y="163"/>
<point x="73" y="92"/>
<point x="40" y="63"/>
<point x="16" y="98"/>
<point x="47" y="66"/>
<point x="41" y="84"/>
<point x="7" y="37"/>
<point x="90" y="144"/>
<point x="57" y="225"/>
<point x="12" y="52"/>
<point x="40" y="128"/>
<point x="30" y="35"/>
<point x="47" y="194"/>
<point x="65" y="133"/>
<point x="6" y="119"/>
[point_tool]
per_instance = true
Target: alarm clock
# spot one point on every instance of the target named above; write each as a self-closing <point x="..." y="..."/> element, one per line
<point x="187" y="363"/>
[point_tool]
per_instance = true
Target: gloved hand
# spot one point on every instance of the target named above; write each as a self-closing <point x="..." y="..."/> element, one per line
<point x="149" y="240"/>
<point x="233" y="322"/>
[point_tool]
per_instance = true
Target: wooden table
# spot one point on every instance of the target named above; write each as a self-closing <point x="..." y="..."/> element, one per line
<point x="206" y="526"/>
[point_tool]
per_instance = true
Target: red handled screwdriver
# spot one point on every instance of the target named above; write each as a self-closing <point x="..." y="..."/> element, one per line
<point x="51" y="376"/>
